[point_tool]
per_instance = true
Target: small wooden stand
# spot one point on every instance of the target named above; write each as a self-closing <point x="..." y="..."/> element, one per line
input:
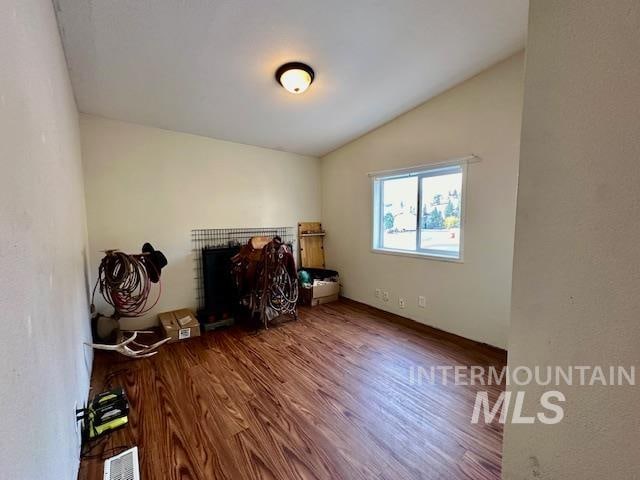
<point x="311" y="238"/>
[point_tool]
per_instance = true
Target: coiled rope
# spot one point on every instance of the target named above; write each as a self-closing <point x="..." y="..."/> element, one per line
<point x="125" y="284"/>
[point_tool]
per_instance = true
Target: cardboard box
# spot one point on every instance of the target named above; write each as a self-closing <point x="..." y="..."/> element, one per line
<point x="320" y="300"/>
<point x="320" y="292"/>
<point x="179" y="324"/>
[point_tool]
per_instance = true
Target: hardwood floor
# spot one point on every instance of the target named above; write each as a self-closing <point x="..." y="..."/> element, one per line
<point x="326" y="397"/>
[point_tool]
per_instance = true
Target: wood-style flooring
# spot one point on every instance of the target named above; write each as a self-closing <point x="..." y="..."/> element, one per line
<point x="325" y="397"/>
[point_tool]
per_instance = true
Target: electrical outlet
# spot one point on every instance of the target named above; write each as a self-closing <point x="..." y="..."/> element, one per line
<point x="422" y="302"/>
<point x="402" y="302"/>
<point x="385" y="296"/>
<point x="378" y="293"/>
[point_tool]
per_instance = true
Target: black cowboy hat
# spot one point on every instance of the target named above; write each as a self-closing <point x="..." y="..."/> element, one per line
<point x="154" y="262"/>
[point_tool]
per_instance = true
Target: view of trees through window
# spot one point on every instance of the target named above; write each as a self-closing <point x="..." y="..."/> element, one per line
<point x="438" y="217"/>
<point x="440" y="229"/>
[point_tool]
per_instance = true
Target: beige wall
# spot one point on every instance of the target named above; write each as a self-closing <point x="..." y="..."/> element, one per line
<point x="472" y="299"/>
<point x="146" y="184"/>
<point x="576" y="281"/>
<point x="43" y="290"/>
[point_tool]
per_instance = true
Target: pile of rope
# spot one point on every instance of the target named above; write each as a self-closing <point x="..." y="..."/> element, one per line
<point x="125" y="283"/>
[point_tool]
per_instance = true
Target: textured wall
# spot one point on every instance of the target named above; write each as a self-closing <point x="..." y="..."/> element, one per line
<point x="482" y="115"/>
<point x="44" y="367"/>
<point x="146" y="184"/>
<point x="576" y="282"/>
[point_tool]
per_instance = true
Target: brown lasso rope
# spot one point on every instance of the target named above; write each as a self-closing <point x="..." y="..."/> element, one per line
<point x="125" y="284"/>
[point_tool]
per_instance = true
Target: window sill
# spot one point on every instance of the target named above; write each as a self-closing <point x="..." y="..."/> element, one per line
<point x="423" y="256"/>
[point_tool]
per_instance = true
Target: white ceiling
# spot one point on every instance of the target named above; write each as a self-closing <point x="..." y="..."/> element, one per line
<point x="207" y="66"/>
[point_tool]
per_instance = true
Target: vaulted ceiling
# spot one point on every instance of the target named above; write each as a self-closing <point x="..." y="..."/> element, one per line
<point x="207" y="66"/>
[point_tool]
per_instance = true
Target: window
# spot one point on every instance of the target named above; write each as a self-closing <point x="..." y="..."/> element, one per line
<point x="420" y="211"/>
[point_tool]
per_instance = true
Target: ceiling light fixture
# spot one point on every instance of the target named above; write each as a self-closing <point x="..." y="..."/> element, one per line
<point x="295" y="77"/>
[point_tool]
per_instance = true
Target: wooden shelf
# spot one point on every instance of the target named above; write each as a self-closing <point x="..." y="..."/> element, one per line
<point x="311" y="238"/>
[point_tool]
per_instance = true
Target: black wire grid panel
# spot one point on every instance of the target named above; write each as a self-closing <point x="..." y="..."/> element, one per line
<point x="231" y="237"/>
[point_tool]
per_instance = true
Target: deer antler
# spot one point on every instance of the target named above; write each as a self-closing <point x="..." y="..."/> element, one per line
<point x="123" y="347"/>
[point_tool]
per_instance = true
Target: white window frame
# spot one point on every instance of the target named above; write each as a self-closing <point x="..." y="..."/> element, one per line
<point x="421" y="172"/>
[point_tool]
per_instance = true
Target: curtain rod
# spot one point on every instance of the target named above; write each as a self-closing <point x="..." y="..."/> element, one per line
<point x="473" y="158"/>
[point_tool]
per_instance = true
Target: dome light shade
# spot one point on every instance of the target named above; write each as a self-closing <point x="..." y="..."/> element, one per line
<point x="295" y="77"/>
